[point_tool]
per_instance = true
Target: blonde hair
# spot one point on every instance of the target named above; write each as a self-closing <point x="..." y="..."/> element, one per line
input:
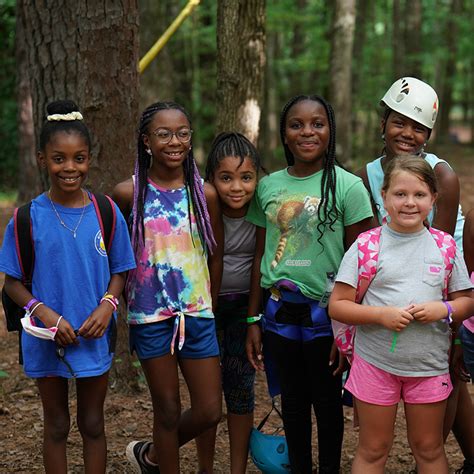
<point x="411" y="164"/>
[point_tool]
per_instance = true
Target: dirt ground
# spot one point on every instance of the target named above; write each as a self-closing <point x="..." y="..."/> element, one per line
<point x="128" y="417"/>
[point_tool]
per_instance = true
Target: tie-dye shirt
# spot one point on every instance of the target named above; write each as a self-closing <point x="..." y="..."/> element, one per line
<point x="172" y="277"/>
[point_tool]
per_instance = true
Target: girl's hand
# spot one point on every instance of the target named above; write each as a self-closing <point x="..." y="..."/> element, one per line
<point x="341" y="360"/>
<point x="96" y="324"/>
<point x="429" y="312"/>
<point x="395" y="319"/>
<point x="253" y="346"/>
<point x="65" y="334"/>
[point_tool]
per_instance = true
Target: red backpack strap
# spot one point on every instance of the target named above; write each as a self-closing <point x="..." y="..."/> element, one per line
<point x="106" y="214"/>
<point x="24" y="242"/>
<point x="447" y="247"/>
<point x="368" y="245"/>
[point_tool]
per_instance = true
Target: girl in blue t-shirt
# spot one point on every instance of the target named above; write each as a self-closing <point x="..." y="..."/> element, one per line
<point x="76" y="283"/>
<point x="306" y="215"/>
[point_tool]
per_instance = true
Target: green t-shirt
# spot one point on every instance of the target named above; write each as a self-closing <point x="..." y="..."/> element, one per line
<point x="288" y="208"/>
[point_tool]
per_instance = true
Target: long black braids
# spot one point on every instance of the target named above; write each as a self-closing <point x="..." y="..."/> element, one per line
<point x="231" y="144"/>
<point x="327" y="213"/>
<point x="192" y="179"/>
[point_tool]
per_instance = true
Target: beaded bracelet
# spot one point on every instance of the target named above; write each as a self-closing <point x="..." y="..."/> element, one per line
<point x="111" y="297"/>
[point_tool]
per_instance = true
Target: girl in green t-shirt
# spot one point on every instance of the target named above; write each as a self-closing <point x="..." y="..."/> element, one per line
<point x="306" y="215"/>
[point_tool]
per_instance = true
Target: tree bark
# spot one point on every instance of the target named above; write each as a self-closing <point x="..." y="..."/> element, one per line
<point x="413" y="39"/>
<point x="240" y="65"/>
<point x="446" y="99"/>
<point x="29" y="183"/>
<point x="398" y="39"/>
<point x="340" y="74"/>
<point x="88" y="52"/>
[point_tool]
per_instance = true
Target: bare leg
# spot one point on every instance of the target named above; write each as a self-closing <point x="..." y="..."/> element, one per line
<point x="375" y="437"/>
<point x="463" y="427"/>
<point x="206" y="446"/>
<point x="206" y="401"/>
<point x="240" y="427"/>
<point x="54" y="396"/>
<point x="162" y="377"/>
<point x="425" y="436"/>
<point x="451" y="407"/>
<point x="91" y="393"/>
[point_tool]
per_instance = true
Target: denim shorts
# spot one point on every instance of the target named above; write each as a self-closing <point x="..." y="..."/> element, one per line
<point x="154" y="339"/>
<point x="467" y="340"/>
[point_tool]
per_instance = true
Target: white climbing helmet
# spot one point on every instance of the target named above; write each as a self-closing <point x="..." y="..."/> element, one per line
<point x="413" y="98"/>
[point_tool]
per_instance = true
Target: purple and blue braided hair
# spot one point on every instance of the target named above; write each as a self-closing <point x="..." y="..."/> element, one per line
<point x="192" y="180"/>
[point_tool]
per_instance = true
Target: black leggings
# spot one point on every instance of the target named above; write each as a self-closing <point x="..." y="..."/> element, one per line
<point x="306" y="380"/>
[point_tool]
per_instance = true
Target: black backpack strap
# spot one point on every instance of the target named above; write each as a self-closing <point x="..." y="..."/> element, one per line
<point x="106" y="214"/>
<point x="24" y="242"/>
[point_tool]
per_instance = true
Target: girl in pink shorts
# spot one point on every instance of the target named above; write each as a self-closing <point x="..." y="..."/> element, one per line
<point x="403" y="321"/>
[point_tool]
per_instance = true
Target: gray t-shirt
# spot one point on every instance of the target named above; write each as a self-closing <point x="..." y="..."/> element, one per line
<point x="410" y="270"/>
<point x="239" y="250"/>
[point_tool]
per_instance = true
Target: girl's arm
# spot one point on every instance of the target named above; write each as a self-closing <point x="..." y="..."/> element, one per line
<point x="98" y="321"/>
<point x="215" y="261"/>
<point x="254" y="333"/>
<point x="343" y="308"/>
<point x="468" y="241"/>
<point x="447" y="202"/>
<point x="123" y="196"/>
<point x="352" y="231"/>
<point x="21" y="296"/>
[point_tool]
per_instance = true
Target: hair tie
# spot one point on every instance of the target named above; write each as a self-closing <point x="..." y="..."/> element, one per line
<point x="65" y="117"/>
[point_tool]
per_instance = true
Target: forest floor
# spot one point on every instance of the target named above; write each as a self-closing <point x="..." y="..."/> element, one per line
<point x="128" y="417"/>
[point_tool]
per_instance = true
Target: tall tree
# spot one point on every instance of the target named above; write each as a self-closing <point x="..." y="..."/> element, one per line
<point x="240" y="65"/>
<point x="341" y="64"/>
<point x="88" y="52"/>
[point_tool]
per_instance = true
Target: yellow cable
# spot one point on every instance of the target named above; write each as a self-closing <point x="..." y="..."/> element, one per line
<point x="156" y="48"/>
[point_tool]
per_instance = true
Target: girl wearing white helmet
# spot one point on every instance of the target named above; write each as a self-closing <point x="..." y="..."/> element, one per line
<point x="411" y="109"/>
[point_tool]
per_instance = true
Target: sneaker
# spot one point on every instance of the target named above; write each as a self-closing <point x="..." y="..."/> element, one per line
<point x="467" y="468"/>
<point x="135" y="453"/>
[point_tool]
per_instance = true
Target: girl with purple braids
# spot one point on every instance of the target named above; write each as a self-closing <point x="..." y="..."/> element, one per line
<point x="175" y="224"/>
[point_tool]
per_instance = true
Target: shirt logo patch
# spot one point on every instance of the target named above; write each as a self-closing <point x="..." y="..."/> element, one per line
<point x="435" y="270"/>
<point x="99" y="244"/>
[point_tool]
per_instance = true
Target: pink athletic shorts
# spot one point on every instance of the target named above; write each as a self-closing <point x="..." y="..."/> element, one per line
<point x="373" y="385"/>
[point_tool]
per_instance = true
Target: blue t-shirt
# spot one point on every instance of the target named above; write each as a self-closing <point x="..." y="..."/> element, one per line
<point x="70" y="275"/>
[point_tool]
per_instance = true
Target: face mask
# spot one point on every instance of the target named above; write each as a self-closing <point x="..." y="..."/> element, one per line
<point x="30" y="327"/>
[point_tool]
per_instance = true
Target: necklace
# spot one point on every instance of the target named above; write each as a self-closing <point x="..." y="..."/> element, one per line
<point x="73" y="231"/>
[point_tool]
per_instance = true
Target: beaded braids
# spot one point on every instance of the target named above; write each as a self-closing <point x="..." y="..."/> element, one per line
<point x="231" y="144"/>
<point x="67" y="124"/>
<point x="192" y="181"/>
<point x="327" y="213"/>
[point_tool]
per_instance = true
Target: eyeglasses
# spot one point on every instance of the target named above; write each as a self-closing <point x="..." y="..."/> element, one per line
<point x="164" y="135"/>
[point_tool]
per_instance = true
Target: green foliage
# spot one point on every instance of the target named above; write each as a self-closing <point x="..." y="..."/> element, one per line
<point x="8" y="106"/>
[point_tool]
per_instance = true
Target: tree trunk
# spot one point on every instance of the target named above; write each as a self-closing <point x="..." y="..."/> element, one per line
<point x="88" y="52"/>
<point x="340" y="74"/>
<point x="398" y="39"/>
<point x="413" y="39"/>
<point x="446" y="99"/>
<point x="240" y="65"/>
<point x="29" y="182"/>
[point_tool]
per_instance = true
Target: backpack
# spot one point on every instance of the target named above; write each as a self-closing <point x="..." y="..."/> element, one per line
<point x="106" y="215"/>
<point x="368" y="246"/>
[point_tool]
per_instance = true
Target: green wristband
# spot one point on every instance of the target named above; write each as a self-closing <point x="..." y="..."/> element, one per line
<point x="254" y="319"/>
<point x="457" y="342"/>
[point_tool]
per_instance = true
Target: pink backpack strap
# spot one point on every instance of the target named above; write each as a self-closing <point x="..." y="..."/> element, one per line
<point x="368" y="245"/>
<point x="447" y="247"/>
